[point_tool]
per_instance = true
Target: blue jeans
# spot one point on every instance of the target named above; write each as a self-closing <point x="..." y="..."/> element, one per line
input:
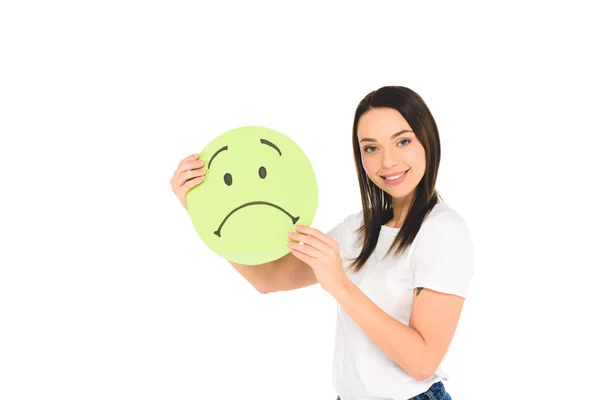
<point x="437" y="391"/>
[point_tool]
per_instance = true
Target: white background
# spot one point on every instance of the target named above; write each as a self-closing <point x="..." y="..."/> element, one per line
<point x="106" y="291"/>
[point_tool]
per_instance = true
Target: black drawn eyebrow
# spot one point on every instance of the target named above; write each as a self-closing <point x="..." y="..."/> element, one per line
<point x="265" y="141"/>
<point x="214" y="155"/>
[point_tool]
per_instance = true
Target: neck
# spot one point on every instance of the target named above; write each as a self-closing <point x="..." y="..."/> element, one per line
<point x="400" y="207"/>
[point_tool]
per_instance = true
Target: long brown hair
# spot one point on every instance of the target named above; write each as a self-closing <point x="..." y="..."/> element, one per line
<point x="377" y="204"/>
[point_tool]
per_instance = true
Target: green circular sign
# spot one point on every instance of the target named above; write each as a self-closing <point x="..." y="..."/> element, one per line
<point x="258" y="185"/>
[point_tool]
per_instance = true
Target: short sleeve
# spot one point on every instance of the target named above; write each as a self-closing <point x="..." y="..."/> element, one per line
<point x="342" y="230"/>
<point x="443" y="258"/>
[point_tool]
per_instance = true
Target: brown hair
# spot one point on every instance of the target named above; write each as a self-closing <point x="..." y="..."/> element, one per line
<point x="377" y="204"/>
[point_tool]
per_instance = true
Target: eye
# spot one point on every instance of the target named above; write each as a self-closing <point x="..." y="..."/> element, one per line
<point x="228" y="179"/>
<point x="405" y="140"/>
<point x="262" y="172"/>
<point x="369" y="147"/>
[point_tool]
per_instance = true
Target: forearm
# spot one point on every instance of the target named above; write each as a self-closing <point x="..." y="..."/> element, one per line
<point x="259" y="276"/>
<point x="401" y="343"/>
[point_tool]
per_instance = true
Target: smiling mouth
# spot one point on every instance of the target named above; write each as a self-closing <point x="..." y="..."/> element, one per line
<point x="253" y="203"/>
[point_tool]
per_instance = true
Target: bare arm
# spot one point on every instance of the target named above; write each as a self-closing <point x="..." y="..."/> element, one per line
<point x="286" y="273"/>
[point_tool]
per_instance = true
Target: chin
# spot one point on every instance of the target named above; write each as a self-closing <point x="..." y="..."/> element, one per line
<point x="395" y="192"/>
<point x="399" y="195"/>
<point x="404" y="190"/>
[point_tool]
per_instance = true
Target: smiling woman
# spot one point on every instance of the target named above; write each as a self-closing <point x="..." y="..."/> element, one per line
<point x="399" y="269"/>
<point x="395" y="327"/>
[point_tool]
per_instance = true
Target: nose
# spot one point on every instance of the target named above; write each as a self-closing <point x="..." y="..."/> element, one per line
<point x="388" y="159"/>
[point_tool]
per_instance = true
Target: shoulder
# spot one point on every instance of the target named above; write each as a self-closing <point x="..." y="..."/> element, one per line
<point x="444" y="219"/>
<point x="353" y="220"/>
<point x="443" y="228"/>
<point x="443" y="257"/>
<point x="346" y="227"/>
<point x="348" y="224"/>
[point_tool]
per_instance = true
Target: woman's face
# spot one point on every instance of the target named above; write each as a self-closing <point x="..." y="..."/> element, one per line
<point x="389" y="148"/>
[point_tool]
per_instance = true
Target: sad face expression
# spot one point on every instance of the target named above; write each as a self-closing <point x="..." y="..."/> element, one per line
<point x="258" y="185"/>
<point x="262" y="173"/>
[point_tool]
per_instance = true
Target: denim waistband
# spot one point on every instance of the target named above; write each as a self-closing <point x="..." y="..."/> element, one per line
<point x="437" y="391"/>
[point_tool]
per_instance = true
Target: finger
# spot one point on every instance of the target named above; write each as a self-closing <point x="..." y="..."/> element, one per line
<point x="310" y="240"/>
<point x="189" y="165"/>
<point x="303" y="257"/>
<point x="189" y="158"/>
<point x="189" y="185"/>
<point x="184" y="167"/>
<point x="305" y="249"/>
<point x="187" y="175"/>
<point x="318" y="234"/>
<point x="179" y="179"/>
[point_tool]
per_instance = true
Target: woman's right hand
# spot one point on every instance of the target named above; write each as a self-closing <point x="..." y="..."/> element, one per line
<point x="188" y="174"/>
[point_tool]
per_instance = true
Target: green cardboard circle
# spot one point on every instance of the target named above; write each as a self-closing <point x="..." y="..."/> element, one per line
<point x="258" y="185"/>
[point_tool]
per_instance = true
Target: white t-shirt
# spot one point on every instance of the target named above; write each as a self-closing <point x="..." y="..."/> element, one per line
<point x="440" y="258"/>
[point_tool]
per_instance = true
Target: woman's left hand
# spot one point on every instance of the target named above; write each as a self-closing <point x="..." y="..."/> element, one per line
<point x="322" y="254"/>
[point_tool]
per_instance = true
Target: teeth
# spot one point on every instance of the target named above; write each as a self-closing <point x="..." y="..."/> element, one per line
<point x="391" y="178"/>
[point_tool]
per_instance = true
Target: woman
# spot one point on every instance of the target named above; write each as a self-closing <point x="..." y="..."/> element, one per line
<point x="399" y="269"/>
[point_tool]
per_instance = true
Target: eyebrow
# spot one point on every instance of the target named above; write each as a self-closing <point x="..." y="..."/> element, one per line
<point x="263" y="141"/>
<point x="402" y="132"/>
<point x="214" y="155"/>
